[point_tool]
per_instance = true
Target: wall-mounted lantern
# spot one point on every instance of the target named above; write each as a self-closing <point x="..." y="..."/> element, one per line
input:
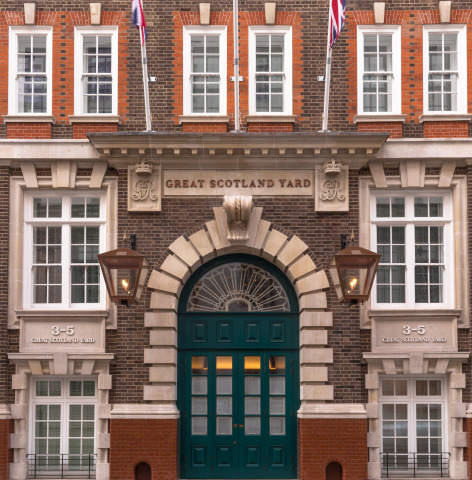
<point x="353" y="271"/>
<point x="125" y="271"/>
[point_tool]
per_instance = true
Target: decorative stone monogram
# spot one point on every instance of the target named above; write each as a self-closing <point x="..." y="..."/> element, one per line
<point x="332" y="187"/>
<point x="238" y="211"/>
<point x="143" y="189"/>
<point x="144" y="193"/>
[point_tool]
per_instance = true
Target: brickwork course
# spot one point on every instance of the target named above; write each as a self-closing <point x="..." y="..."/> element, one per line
<point x="156" y="441"/>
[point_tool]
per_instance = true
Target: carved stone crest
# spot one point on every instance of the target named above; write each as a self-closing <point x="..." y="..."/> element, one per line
<point x="238" y="212"/>
<point x="332" y="187"/>
<point x="144" y="189"/>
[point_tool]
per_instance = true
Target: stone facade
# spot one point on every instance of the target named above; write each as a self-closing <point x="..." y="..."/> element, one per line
<point x="297" y="214"/>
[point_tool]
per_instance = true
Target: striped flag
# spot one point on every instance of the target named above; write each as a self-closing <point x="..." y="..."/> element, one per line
<point x="138" y="18"/>
<point x="337" y="19"/>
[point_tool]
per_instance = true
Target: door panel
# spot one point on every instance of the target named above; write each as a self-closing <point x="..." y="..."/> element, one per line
<point x="238" y="420"/>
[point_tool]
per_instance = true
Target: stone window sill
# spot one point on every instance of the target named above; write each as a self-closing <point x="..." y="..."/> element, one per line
<point x="203" y="118"/>
<point x="436" y="312"/>
<point x="379" y="118"/>
<point x="445" y="117"/>
<point x="271" y="118"/>
<point x="94" y="119"/>
<point x="29" y="119"/>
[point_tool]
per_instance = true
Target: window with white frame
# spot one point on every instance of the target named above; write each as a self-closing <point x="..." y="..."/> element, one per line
<point x="96" y="71"/>
<point x="445" y="67"/>
<point x="413" y="425"/>
<point x="411" y="231"/>
<point x="63" y="426"/>
<point x="30" y="67"/>
<point x="204" y="70"/>
<point x="270" y="70"/>
<point x="63" y="235"/>
<point x="379" y="70"/>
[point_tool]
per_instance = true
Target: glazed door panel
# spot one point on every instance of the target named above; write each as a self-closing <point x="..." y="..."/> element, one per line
<point x="238" y="420"/>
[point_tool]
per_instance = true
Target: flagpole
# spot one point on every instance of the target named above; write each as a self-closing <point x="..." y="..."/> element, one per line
<point x="145" y="80"/>
<point x="324" y="127"/>
<point x="236" y="65"/>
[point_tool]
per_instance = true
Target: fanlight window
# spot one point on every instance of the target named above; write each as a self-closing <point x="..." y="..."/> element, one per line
<point x="238" y="287"/>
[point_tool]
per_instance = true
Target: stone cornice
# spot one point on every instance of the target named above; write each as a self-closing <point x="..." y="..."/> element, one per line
<point x="427" y="149"/>
<point x="237" y="150"/>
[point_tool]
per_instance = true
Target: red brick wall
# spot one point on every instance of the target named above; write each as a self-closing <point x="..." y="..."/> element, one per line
<point x="412" y="22"/>
<point x="81" y="129"/>
<point x="267" y="127"/>
<point x="63" y="24"/>
<point x="395" y="129"/>
<point x="321" y="441"/>
<point x="5" y="427"/>
<point x="247" y="19"/>
<point x="29" y="130"/>
<point x="446" y="129"/>
<point x="152" y="441"/>
<point x="205" y="127"/>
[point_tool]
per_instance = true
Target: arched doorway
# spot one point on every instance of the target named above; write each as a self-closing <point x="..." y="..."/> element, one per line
<point x="238" y="371"/>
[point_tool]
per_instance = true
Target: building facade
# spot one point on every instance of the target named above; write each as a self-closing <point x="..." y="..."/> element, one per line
<point x="239" y="361"/>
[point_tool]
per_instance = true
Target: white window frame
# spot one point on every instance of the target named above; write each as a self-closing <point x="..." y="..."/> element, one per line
<point x="65" y="220"/>
<point x="65" y="399"/>
<point x="411" y="399"/>
<point x="395" y="32"/>
<point x="410" y="221"/>
<point x="287" y="84"/>
<point x="79" y="34"/>
<point x="214" y="30"/>
<point x="14" y="32"/>
<point x="461" y="66"/>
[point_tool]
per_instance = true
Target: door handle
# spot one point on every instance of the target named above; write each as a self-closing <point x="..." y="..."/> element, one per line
<point x="235" y="425"/>
<point x="241" y="425"/>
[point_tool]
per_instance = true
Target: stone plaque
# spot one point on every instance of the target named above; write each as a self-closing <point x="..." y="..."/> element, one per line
<point x="144" y="188"/>
<point x="332" y="187"/>
<point x="238" y="182"/>
<point x="71" y="336"/>
<point x="413" y="334"/>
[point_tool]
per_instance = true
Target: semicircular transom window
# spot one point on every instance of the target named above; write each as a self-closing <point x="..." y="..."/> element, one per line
<point x="238" y="287"/>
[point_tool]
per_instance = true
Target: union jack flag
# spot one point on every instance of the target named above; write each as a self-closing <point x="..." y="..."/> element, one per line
<point x="337" y="13"/>
<point x="138" y="18"/>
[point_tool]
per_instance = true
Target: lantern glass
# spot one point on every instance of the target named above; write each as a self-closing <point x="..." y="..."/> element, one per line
<point x="124" y="271"/>
<point x="353" y="271"/>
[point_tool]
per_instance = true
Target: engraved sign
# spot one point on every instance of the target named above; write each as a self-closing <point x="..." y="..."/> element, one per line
<point x="413" y="334"/>
<point x="238" y="182"/>
<point x="79" y="336"/>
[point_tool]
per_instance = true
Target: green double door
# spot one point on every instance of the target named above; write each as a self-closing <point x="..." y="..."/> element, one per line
<point x="239" y="414"/>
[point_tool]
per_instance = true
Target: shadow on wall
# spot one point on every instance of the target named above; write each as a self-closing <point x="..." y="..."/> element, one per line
<point x="142" y="471"/>
<point x="334" y="471"/>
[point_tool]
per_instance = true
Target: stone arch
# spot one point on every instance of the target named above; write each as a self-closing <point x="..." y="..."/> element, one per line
<point x="288" y="253"/>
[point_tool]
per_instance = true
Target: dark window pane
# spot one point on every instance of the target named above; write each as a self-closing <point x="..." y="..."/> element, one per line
<point x="93" y="207"/>
<point x="78" y="294"/>
<point x="92" y="293"/>
<point x="40" y="206"/>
